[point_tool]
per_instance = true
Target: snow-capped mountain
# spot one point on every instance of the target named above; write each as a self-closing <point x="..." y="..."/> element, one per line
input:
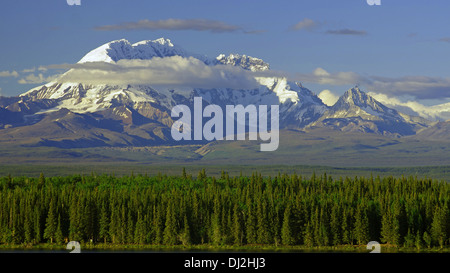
<point x="358" y="111"/>
<point x="356" y="103"/>
<point x="439" y="112"/>
<point x="79" y="114"/>
<point x="143" y="50"/>
<point x="297" y="102"/>
<point x="246" y="62"/>
<point x="142" y="112"/>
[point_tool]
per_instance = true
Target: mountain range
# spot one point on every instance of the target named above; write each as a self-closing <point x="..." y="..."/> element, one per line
<point x="67" y="114"/>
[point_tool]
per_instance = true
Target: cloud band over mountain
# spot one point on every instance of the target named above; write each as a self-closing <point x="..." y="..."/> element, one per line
<point x="173" y="24"/>
<point x="419" y="87"/>
<point x="168" y="71"/>
<point x="347" y="31"/>
<point x="310" y="25"/>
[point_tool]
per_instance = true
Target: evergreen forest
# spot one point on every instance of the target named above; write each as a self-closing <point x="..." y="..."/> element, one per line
<point x="186" y="210"/>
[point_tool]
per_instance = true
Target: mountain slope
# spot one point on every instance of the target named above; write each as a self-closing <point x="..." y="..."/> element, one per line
<point x="356" y="111"/>
<point x="78" y="114"/>
<point x="439" y="131"/>
<point x="117" y="126"/>
<point x="143" y="50"/>
<point x="298" y="105"/>
<point x="244" y="61"/>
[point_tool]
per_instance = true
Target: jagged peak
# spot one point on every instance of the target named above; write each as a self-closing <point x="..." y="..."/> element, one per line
<point x="244" y="61"/>
<point x="355" y="102"/>
<point x="162" y="41"/>
<point x="123" y="49"/>
<point x="357" y="97"/>
<point x="354" y="92"/>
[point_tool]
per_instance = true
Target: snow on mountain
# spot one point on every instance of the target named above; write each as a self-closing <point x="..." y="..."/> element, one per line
<point x="297" y="104"/>
<point x="244" y="61"/>
<point x="77" y="114"/>
<point x="144" y="110"/>
<point x="162" y="47"/>
<point x="358" y="111"/>
<point x="440" y="112"/>
<point x="355" y="103"/>
<point x="143" y="50"/>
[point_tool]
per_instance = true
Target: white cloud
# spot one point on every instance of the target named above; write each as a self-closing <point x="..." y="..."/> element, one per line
<point x="435" y="112"/>
<point x="419" y="87"/>
<point x="306" y="24"/>
<point x="169" y="71"/>
<point x="36" y="79"/>
<point x="173" y="24"/>
<point x="347" y="31"/>
<point x="9" y="74"/>
<point x="321" y="76"/>
<point x="29" y="70"/>
<point x="328" y="97"/>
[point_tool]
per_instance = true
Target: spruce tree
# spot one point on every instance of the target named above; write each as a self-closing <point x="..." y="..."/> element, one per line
<point x="287" y="237"/>
<point x="361" y="225"/>
<point x="418" y="241"/>
<point x="140" y="230"/>
<point x="170" y="229"/>
<point x="51" y="223"/>
<point x="37" y="225"/>
<point x="186" y="235"/>
<point x="335" y="225"/>
<point x="41" y="181"/>
<point x="237" y="226"/>
<point x="263" y="236"/>
<point x="158" y="226"/>
<point x="184" y="175"/>
<point x="250" y="224"/>
<point x="439" y="227"/>
<point x="59" y="237"/>
<point x="104" y="223"/>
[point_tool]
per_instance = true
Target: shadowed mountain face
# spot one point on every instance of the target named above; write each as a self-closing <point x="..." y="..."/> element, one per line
<point x="117" y="126"/>
<point x="439" y="131"/>
<point x="356" y="111"/>
<point x="76" y="114"/>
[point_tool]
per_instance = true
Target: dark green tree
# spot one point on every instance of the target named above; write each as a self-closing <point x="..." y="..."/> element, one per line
<point x="170" y="229"/>
<point x="51" y="223"/>
<point x="287" y="236"/>
<point x="361" y="225"/>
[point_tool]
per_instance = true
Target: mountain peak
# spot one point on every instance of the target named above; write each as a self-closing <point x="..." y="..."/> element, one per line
<point x="101" y="53"/>
<point x="122" y="49"/>
<point x="359" y="112"/>
<point x="354" y="96"/>
<point x="162" y="41"/>
<point x="244" y="61"/>
<point x="356" y="103"/>
<point x="354" y="92"/>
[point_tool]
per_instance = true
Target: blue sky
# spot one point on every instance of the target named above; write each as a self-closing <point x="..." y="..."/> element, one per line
<point x="401" y="48"/>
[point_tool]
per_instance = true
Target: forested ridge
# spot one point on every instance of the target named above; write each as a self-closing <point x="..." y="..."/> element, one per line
<point x="283" y="210"/>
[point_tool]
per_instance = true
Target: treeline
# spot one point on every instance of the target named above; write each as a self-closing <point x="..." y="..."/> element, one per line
<point x="239" y="210"/>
